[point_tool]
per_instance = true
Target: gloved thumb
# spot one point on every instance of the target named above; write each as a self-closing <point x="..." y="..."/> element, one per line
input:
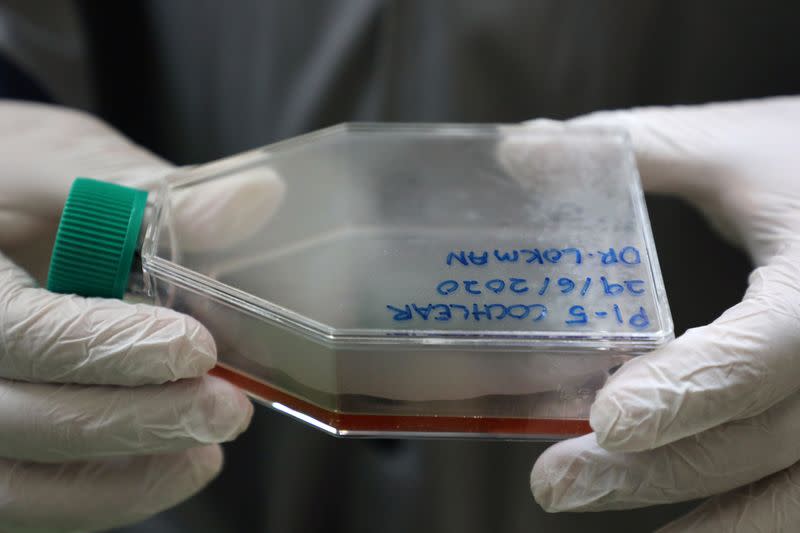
<point x="734" y="161"/>
<point x="46" y="147"/>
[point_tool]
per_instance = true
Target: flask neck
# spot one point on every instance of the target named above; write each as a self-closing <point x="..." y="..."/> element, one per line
<point x="138" y="283"/>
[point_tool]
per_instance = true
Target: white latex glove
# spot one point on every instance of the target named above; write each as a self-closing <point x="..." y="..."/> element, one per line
<point x="106" y="414"/>
<point x="716" y="412"/>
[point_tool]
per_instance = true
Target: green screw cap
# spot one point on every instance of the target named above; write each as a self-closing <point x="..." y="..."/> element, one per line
<point x="96" y="239"/>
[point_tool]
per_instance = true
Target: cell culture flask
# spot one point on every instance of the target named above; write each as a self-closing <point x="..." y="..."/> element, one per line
<point x="396" y="280"/>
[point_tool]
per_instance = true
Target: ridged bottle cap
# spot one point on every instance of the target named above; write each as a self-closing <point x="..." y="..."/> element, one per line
<point x="96" y="239"/>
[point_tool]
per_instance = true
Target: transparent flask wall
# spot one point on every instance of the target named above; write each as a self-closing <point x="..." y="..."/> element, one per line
<point x="421" y="280"/>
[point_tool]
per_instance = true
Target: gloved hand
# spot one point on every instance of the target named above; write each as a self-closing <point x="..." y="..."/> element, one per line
<point x="106" y="414"/>
<point x="717" y="411"/>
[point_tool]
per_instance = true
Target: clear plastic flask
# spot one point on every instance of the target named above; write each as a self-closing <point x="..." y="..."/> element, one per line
<point x="396" y="280"/>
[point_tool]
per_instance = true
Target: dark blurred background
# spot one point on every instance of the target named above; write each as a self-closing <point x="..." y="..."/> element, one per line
<point x="195" y="80"/>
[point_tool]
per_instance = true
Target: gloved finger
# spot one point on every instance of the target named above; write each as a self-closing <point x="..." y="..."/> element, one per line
<point x="45" y="147"/>
<point x="51" y="337"/>
<point x="770" y="505"/>
<point x="97" y="495"/>
<point x="222" y="212"/>
<point x="580" y="475"/>
<point x="736" y="367"/>
<point x="56" y="423"/>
